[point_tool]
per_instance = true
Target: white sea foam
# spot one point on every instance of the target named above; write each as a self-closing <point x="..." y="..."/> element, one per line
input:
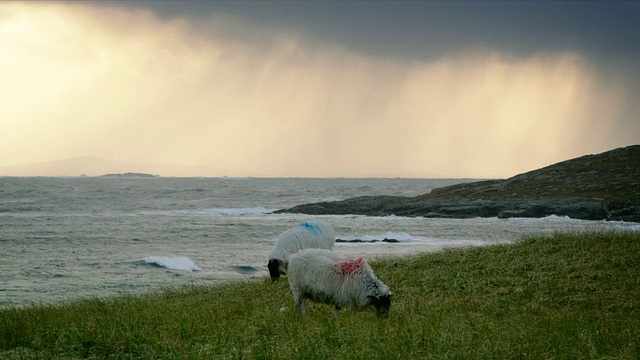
<point x="173" y="263"/>
<point x="625" y="225"/>
<point x="453" y="242"/>
<point x="532" y="219"/>
<point x="558" y="218"/>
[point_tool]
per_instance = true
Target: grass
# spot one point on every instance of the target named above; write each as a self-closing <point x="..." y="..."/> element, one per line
<point x="566" y="296"/>
<point x="611" y="176"/>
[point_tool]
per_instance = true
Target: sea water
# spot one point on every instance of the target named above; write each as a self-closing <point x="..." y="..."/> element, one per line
<point x="63" y="239"/>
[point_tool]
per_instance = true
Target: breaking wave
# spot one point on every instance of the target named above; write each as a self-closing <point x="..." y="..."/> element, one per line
<point x="388" y="238"/>
<point x="173" y="263"/>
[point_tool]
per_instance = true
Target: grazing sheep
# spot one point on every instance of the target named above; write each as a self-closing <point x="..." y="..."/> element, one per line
<point x="326" y="277"/>
<point x="311" y="234"/>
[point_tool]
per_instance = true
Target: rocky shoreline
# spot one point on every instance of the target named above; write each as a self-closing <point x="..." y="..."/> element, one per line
<point x="605" y="186"/>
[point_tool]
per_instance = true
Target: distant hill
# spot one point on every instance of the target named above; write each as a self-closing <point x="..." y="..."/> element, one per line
<point x="129" y="175"/>
<point x="92" y="166"/>
<point x="595" y="187"/>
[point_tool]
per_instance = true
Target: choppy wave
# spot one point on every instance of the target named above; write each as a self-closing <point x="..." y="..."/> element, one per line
<point x="242" y="211"/>
<point x="388" y="238"/>
<point x="173" y="263"/>
<point x="212" y="211"/>
<point x="244" y="269"/>
<point x="406" y="239"/>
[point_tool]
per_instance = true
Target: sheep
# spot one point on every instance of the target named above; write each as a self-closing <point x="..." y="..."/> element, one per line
<point x="326" y="277"/>
<point x="311" y="234"/>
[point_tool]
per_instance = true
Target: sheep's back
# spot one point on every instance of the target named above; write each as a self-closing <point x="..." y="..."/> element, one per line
<point x="314" y="270"/>
<point x="303" y="236"/>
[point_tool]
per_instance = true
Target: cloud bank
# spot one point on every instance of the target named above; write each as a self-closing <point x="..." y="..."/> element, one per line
<point x="125" y="85"/>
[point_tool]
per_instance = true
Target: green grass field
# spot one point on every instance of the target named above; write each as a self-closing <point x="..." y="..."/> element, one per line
<point x="566" y="296"/>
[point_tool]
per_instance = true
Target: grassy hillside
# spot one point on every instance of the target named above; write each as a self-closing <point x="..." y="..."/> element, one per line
<point x="604" y="186"/>
<point x="566" y="296"/>
<point x="613" y="175"/>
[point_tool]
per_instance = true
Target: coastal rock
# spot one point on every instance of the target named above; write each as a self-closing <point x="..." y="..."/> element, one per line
<point x="605" y="186"/>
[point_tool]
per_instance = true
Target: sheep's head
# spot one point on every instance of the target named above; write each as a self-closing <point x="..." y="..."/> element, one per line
<point x="381" y="302"/>
<point x="274" y="268"/>
<point x="277" y="268"/>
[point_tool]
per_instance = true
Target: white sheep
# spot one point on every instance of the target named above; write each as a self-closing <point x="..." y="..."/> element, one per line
<point x="326" y="277"/>
<point x="310" y="234"/>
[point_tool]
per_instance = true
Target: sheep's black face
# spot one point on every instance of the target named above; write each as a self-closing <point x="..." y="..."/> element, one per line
<point x="381" y="304"/>
<point x="274" y="269"/>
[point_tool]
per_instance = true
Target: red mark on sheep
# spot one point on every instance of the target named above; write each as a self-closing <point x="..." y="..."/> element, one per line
<point x="349" y="266"/>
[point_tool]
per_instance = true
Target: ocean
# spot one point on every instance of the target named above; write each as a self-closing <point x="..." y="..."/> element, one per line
<point x="63" y="239"/>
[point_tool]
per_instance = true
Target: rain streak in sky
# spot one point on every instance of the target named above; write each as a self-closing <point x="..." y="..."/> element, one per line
<point x="288" y="89"/>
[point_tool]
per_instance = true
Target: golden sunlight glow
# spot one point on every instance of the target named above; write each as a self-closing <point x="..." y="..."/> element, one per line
<point x="79" y="80"/>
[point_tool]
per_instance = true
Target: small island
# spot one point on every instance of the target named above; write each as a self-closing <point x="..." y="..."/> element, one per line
<point x="129" y="175"/>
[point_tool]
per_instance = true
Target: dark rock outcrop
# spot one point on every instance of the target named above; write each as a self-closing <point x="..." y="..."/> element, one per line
<point x="593" y="187"/>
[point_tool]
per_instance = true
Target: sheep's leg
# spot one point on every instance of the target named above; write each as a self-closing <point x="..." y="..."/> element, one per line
<point x="303" y="307"/>
<point x="301" y="304"/>
<point x="337" y="311"/>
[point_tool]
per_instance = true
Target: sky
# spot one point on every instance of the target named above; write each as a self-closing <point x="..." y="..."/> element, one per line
<point x="478" y="89"/>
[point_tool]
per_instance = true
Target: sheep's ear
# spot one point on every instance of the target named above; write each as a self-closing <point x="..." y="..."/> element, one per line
<point x="378" y="295"/>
